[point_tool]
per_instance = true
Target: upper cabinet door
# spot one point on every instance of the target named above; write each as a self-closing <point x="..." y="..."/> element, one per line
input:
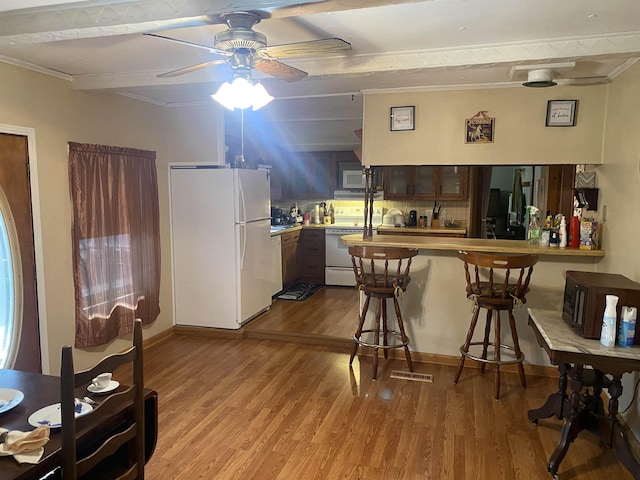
<point x="453" y="183"/>
<point x="398" y="182"/>
<point x="425" y="181"/>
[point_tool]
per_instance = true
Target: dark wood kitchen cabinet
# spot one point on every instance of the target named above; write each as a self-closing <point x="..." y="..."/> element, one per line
<point x="311" y="250"/>
<point x="425" y="182"/>
<point x="308" y="175"/>
<point x="290" y="258"/>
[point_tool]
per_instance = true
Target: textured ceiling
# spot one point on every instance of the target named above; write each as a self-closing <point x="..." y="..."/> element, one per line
<point x="438" y="44"/>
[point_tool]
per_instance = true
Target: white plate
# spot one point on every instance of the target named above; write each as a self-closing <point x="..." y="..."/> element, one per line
<point x="109" y="388"/>
<point x="9" y="398"/>
<point x="50" y="415"/>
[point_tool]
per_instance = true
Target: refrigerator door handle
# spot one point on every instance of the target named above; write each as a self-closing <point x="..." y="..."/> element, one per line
<point x="242" y="204"/>
<point x="243" y="243"/>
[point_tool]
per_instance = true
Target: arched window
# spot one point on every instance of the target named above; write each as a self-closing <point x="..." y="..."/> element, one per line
<point x="10" y="286"/>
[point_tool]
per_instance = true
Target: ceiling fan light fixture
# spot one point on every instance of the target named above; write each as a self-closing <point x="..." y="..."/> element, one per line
<point x="540" y="78"/>
<point x="242" y="93"/>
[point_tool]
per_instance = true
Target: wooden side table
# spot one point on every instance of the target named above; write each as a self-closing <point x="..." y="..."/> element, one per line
<point x="581" y="409"/>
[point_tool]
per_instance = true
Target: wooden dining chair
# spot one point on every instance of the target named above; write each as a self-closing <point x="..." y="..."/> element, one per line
<point x="119" y="452"/>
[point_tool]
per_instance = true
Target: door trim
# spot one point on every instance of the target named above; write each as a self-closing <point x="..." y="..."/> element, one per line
<point x="30" y="133"/>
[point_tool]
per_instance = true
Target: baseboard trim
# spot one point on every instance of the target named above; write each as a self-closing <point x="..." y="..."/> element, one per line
<point x="208" y="332"/>
<point x="158" y="338"/>
<point x="341" y="344"/>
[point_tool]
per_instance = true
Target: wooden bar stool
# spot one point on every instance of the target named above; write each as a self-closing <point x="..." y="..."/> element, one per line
<point x="496" y="295"/>
<point x="381" y="273"/>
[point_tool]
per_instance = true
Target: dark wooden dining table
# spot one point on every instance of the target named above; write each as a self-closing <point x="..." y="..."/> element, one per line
<point x="39" y="391"/>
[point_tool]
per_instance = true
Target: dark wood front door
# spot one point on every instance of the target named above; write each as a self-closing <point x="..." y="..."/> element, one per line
<point x="14" y="182"/>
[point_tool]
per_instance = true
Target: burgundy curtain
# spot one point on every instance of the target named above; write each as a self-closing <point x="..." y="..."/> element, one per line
<point x="116" y="240"/>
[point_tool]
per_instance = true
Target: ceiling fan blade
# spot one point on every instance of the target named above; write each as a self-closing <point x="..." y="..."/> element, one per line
<point x="216" y="51"/>
<point x="301" y="49"/>
<point x="584" y="80"/>
<point x="192" y="68"/>
<point x="279" y="70"/>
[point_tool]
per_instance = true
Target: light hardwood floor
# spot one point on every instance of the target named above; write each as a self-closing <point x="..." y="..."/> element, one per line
<point x="331" y="313"/>
<point x="264" y="409"/>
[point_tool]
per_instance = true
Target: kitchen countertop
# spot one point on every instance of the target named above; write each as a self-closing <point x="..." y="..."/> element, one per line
<point x="280" y="229"/>
<point x="425" y="230"/>
<point x="468" y="244"/>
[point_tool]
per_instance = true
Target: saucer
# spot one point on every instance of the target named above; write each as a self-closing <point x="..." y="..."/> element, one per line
<point x="109" y="388"/>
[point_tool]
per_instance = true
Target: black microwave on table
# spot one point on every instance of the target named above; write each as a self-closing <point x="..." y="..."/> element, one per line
<point x="584" y="300"/>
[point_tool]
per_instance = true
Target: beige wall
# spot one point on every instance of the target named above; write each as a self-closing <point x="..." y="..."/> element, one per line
<point x="58" y="115"/>
<point x="520" y="135"/>
<point x="619" y="182"/>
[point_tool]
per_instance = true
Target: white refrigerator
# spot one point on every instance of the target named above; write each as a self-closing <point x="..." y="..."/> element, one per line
<point x="221" y="251"/>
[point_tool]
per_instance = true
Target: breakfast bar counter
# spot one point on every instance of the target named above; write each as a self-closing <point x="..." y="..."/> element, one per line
<point x="467" y="244"/>
<point x="435" y="308"/>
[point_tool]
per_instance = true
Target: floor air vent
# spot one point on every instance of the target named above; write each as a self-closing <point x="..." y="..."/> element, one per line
<point x="418" y="377"/>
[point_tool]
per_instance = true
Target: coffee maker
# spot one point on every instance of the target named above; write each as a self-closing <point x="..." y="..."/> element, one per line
<point x="413" y="218"/>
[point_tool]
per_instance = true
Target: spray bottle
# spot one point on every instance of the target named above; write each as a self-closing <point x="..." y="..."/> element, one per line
<point x="563" y="232"/>
<point x="609" y="319"/>
<point x="533" y="234"/>
<point x="627" y="330"/>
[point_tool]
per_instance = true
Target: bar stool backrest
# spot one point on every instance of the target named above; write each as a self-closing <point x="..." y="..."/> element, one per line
<point x="508" y="264"/>
<point x="371" y="266"/>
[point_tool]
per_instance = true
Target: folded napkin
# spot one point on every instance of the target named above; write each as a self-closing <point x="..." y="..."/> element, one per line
<point x="26" y="447"/>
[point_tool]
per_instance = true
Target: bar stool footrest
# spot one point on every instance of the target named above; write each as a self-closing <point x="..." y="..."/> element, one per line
<point x="392" y="333"/>
<point x="491" y="348"/>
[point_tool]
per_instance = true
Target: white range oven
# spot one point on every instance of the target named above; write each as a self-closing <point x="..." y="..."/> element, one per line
<point x="348" y="220"/>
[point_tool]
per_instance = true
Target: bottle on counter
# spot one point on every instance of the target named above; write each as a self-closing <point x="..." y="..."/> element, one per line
<point x="534" y="226"/>
<point x="608" y="332"/>
<point x="545" y="237"/>
<point x="574" y="231"/>
<point x="554" y="238"/>
<point x="562" y="232"/>
<point x="627" y="330"/>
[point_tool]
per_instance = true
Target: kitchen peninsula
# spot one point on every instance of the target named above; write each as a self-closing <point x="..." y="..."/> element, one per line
<point x="468" y="244"/>
<point x="435" y="309"/>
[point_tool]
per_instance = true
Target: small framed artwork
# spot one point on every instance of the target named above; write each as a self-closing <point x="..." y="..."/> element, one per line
<point x="403" y="118"/>
<point x="479" y="128"/>
<point x="561" y="113"/>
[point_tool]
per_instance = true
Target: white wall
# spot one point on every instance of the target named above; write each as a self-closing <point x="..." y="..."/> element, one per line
<point x="520" y="135"/>
<point x="437" y="315"/>
<point x="619" y="182"/>
<point x="58" y="115"/>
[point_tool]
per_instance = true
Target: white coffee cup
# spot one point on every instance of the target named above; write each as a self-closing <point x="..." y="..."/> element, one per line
<point x="102" y="380"/>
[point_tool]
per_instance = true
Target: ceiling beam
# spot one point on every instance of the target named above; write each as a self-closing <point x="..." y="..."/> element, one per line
<point x="100" y="19"/>
<point x="323" y="67"/>
<point x="70" y="22"/>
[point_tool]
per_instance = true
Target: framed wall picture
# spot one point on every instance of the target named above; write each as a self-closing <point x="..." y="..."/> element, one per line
<point x="403" y="118"/>
<point x="479" y="128"/>
<point x="561" y="113"/>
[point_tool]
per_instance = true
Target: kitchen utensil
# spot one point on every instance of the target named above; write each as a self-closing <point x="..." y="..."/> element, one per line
<point x="413" y="218"/>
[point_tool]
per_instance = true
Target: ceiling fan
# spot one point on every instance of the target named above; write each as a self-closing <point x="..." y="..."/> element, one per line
<point x="244" y="49"/>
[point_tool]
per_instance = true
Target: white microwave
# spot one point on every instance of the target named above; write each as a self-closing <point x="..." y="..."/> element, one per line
<point x="352" y="179"/>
